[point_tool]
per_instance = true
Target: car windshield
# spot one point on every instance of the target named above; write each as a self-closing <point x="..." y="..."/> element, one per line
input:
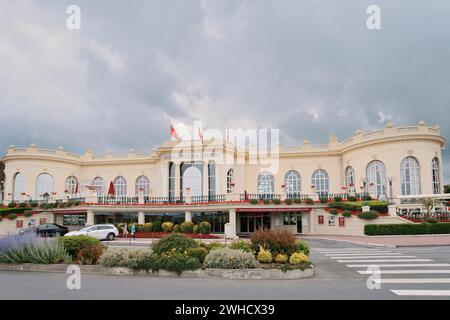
<point x="85" y="229"/>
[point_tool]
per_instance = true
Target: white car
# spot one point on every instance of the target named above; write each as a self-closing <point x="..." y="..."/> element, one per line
<point x="98" y="231"/>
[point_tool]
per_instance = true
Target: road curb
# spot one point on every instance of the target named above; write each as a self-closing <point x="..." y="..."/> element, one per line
<point x="231" y="274"/>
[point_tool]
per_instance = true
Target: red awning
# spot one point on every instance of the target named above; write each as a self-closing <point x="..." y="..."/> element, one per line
<point x="259" y="210"/>
<point x="111" y="190"/>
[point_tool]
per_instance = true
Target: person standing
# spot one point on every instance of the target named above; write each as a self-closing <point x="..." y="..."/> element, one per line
<point x="133" y="231"/>
<point x="125" y="231"/>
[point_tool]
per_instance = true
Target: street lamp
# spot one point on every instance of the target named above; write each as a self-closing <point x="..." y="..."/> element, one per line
<point x="391" y="191"/>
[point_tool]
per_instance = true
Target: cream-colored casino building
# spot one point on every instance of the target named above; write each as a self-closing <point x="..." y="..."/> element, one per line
<point x="196" y="183"/>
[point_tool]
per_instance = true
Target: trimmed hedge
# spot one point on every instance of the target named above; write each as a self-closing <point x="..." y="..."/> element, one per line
<point x="407" y="229"/>
<point x="6" y="211"/>
<point x="369" y="215"/>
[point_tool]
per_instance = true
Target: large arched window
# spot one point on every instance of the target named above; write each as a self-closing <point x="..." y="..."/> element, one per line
<point x="72" y="185"/>
<point x="99" y="185"/>
<point x="292" y="183"/>
<point x="376" y="178"/>
<point x="320" y="182"/>
<point x="120" y="186"/>
<point x="410" y="176"/>
<point x="143" y="185"/>
<point x="18" y="186"/>
<point x="265" y="183"/>
<point x="436" y="175"/>
<point x="230" y="181"/>
<point x="350" y="178"/>
<point x="44" y="186"/>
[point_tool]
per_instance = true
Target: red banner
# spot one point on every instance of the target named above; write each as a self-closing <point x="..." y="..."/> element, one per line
<point x="342" y="221"/>
<point x="19" y="223"/>
<point x="320" y="219"/>
<point x="41" y="221"/>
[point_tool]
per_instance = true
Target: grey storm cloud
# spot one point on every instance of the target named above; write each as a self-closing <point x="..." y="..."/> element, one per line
<point x="310" y="68"/>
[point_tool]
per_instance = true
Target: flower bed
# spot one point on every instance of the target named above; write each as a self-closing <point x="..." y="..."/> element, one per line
<point x="157" y="235"/>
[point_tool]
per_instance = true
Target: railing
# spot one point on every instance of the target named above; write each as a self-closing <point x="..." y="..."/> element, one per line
<point x="163" y="200"/>
<point x="117" y="200"/>
<point x="346" y="195"/>
<point x="257" y="196"/>
<point x="417" y="216"/>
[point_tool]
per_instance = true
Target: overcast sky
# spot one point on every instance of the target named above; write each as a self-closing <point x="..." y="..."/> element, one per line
<point x="310" y="68"/>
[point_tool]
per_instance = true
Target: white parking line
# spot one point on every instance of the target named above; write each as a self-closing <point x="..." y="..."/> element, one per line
<point x="386" y="260"/>
<point x="405" y="271"/>
<point x="364" y="254"/>
<point x="373" y="257"/>
<point x="415" y="281"/>
<point x="434" y="293"/>
<point x="400" y="265"/>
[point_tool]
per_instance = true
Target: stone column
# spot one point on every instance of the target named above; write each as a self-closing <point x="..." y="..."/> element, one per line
<point x="188" y="216"/>
<point x="392" y="210"/>
<point x="311" y="222"/>
<point x="205" y="185"/>
<point x="365" y="208"/>
<point x="141" y="217"/>
<point x="230" y="227"/>
<point x="177" y="178"/>
<point x="90" y="221"/>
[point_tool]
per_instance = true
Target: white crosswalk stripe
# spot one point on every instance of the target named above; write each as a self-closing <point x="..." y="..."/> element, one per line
<point x="395" y="263"/>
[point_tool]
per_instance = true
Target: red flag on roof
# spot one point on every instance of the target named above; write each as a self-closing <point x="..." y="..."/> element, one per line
<point x="111" y="190"/>
<point x="173" y="133"/>
<point x="200" y="134"/>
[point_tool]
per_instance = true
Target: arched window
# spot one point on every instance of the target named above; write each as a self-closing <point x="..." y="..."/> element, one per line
<point x="18" y="186"/>
<point x="349" y="178"/>
<point x="410" y="176"/>
<point x="376" y="178"/>
<point x="265" y="183"/>
<point x="292" y="183"/>
<point x="99" y="185"/>
<point x="143" y="185"/>
<point x="320" y="181"/>
<point x="44" y="186"/>
<point x="230" y="181"/>
<point x="436" y="175"/>
<point x="72" y="185"/>
<point x="120" y="186"/>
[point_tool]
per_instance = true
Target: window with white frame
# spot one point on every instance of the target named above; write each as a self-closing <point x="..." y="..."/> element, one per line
<point x="410" y="176"/>
<point x="376" y="178"/>
<point x="265" y="183"/>
<point x="120" y="186"/>
<point x="320" y="182"/>
<point x="44" y="186"/>
<point x="230" y="181"/>
<point x="72" y="185"/>
<point x="99" y="185"/>
<point x="349" y="178"/>
<point x="18" y="186"/>
<point x="436" y="175"/>
<point x="292" y="183"/>
<point x="143" y="185"/>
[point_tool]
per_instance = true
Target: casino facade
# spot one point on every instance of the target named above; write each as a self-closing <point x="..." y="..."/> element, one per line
<point x="216" y="181"/>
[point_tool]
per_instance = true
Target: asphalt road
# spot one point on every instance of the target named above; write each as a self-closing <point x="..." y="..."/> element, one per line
<point x="333" y="280"/>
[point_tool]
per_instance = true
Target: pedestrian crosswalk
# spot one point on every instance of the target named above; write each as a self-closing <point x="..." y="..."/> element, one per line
<point x="395" y="268"/>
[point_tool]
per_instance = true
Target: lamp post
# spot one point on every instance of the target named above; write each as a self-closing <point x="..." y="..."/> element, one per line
<point x="391" y="191"/>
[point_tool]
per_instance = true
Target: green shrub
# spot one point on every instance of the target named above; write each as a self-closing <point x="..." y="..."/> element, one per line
<point x="144" y="260"/>
<point x="74" y="244"/>
<point x="276" y="201"/>
<point x="407" y="229"/>
<point x="199" y="253"/>
<point x="368" y="215"/>
<point x="345" y="206"/>
<point x="62" y="205"/>
<point x="118" y="257"/>
<point x="366" y="198"/>
<point x="288" y="201"/>
<point x="90" y="254"/>
<point x="12" y="216"/>
<point x="323" y="199"/>
<point x="347" y="213"/>
<point x="278" y="241"/>
<point x="298" y="257"/>
<point x="12" y="205"/>
<point x="174" y="242"/>
<point x="230" y="259"/>
<point x="281" y="258"/>
<point x="211" y="245"/>
<point x="309" y="201"/>
<point x="37" y="251"/>
<point x="298" y="201"/>
<point x="178" y="263"/>
<point x="157" y="226"/>
<point x="334" y="211"/>
<point x="187" y="227"/>
<point x="23" y="205"/>
<point x="302" y="246"/>
<point x="176" y="228"/>
<point x="254" y="201"/>
<point x="195" y="229"/>
<point x="204" y="227"/>
<point x="139" y="228"/>
<point x="337" y="199"/>
<point x="352" y="198"/>
<point x="43" y="206"/>
<point x="34" y="204"/>
<point x="242" y="245"/>
<point x="148" y="227"/>
<point x="167" y="226"/>
<point x="383" y="208"/>
<point x="27" y="214"/>
<point x="266" y="201"/>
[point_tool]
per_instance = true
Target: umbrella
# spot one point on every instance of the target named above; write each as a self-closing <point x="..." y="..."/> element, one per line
<point x="111" y="190"/>
<point x="245" y="195"/>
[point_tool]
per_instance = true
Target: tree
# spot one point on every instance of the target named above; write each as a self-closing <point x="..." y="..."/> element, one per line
<point x="428" y="204"/>
<point x="447" y="188"/>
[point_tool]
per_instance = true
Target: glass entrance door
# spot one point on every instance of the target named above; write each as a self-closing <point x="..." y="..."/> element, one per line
<point x="299" y="223"/>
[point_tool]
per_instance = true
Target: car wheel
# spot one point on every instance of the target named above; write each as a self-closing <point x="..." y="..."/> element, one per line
<point x="110" y="237"/>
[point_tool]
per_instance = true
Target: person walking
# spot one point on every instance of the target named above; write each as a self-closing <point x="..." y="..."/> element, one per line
<point x="125" y="231"/>
<point x="133" y="231"/>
